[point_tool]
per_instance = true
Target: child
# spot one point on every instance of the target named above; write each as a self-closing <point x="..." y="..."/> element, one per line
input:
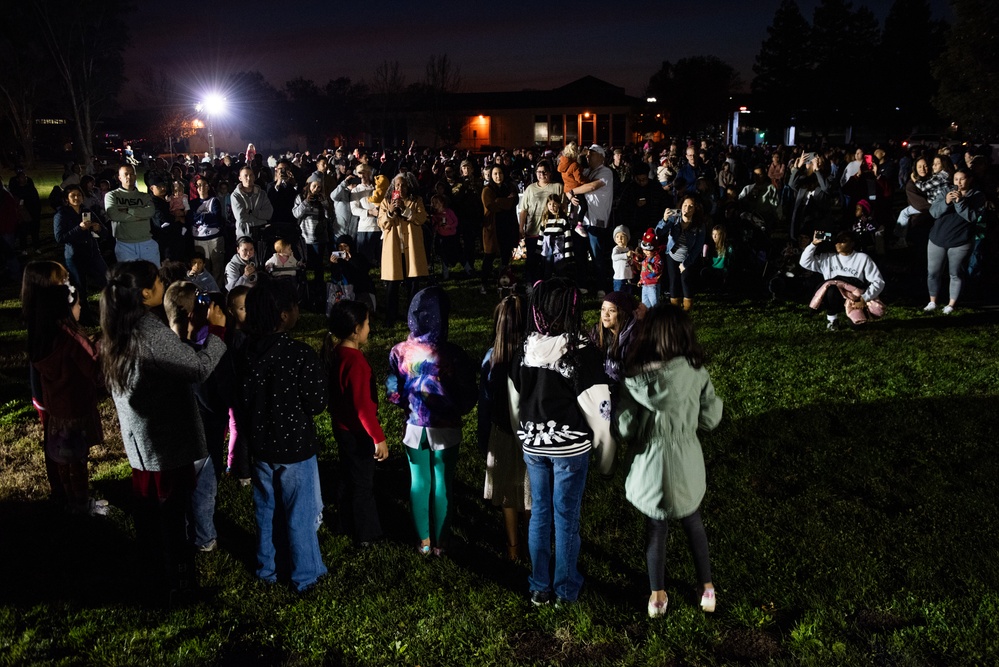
<point x="506" y="484"/>
<point x="433" y="381"/>
<point x="283" y="264"/>
<point x="560" y="409"/>
<point x="66" y="362"/>
<point x="186" y="310"/>
<point x="665" y="397"/>
<point x="238" y="459"/>
<point x="650" y="269"/>
<point x="621" y="256"/>
<point x="572" y="178"/>
<point x="720" y="254"/>
<point x="37" y="275"/>
<point x="180" y="205"/>
<point x="556" y="241"/>
<point x="200" y="277"/>
<point x="445" y="226"/>
<point x="348" y="267"/>
<point x="353" y="406"/>
<point x="284" y="388"/>
<point x="150" y="373"/>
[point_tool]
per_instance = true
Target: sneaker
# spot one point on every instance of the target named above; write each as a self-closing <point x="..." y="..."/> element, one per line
<point x="244" y="481"/>
<point x="423" y="549"/>
<point x="831" y="325"/>
<point x="438" y="552"/>
<point x="708" y="600"/>
<point x="208" y="546"/>
<point x="562" y="603"/>
<point x="541" y="598"/>
<point x="581" y="231"/>
<point x="947" y="310"/>
<point x="930" y="307"/>
<point x="98" y="507"/>
<point x="657" y="609"/>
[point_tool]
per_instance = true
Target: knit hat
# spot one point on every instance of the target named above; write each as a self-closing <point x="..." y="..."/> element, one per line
<point x="864" y="204"/>
<point x="622" y="301"/>
<point x="315" y="177"/>
<point x="649" y="239"/>
<point x="621" y="229"/>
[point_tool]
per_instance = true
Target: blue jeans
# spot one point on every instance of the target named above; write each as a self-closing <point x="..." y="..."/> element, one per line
<point x="147" y="250"/>
<point x="557" y="485"/>
<point x="289" y="509"/>
<point x="201" y="520"/>
<point x="650" y="295"/>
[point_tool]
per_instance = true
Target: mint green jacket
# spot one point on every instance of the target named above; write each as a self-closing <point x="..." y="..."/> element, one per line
<point x="658" y="415"/>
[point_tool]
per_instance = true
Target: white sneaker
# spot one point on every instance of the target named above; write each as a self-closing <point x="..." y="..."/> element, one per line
<point x="657" y="609"/>
<point x="930" y="307"/>
<point x="708" y="600"/>
<point x="947" y="310"/>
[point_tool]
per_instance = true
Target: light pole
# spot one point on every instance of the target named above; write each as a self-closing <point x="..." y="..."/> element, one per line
<point x="212" y="105"/>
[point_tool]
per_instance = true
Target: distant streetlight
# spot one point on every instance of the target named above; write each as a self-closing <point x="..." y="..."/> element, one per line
<point x="212" y="105"/>
<point x="651" y="100"/>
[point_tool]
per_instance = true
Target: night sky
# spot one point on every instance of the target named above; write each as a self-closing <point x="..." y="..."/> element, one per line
<point x="543" y="46"/>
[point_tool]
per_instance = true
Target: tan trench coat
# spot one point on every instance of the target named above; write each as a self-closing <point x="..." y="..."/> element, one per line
<point x="403" y="237"/>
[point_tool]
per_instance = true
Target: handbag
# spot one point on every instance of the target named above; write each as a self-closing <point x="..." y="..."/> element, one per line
<point x="336" y="292"/>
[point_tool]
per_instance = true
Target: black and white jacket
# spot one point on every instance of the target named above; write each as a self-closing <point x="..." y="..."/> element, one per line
<point x="560" y="399"/>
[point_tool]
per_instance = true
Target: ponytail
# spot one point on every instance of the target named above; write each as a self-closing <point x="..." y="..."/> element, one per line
<point x="121" y="309"/>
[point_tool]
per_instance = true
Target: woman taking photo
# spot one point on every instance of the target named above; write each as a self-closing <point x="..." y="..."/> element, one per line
<point x="955" y="215"/>
<point x="151" y="374"/>
<point x="404" y="252"/>
<point x="683" y="232"/>
<point x="75" y="229"/>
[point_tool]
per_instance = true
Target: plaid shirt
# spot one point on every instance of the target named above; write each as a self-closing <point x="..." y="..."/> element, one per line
<point x="935" y="186"/>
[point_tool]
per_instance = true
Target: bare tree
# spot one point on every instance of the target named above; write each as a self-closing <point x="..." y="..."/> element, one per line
<point x="441" y="80"/>
<point x="387" y="86"/>
<point x="85" y="41"/>
<point x="25" y="80"/>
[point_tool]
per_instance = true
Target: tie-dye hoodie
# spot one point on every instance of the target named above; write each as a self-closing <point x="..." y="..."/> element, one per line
<point x="430" y="378"/>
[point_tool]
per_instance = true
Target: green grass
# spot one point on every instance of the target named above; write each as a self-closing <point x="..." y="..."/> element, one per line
<point x="851" y="514"/>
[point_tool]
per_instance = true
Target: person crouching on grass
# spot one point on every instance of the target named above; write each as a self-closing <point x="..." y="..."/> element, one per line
<point x="284" y="387"/>
<point x="665" y="397"/>
<point x="852" y="279"/>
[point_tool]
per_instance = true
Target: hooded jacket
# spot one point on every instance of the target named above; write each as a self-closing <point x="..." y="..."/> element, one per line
<point x="430" y="378"/>
<point x="560" y="401"/>
<point x="658" y="415"/>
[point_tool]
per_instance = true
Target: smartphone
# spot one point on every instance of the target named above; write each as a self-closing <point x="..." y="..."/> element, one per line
<point x="339" y="254"/>
<point x="823" y="236"/>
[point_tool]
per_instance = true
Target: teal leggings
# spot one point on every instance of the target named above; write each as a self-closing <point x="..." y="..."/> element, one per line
<point x="431" y="473"/>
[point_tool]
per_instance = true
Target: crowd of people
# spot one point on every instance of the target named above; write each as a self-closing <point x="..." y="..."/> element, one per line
<point x="196" y="350"/>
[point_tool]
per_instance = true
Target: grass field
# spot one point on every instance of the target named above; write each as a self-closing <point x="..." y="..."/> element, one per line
<point x="851" y="513"/>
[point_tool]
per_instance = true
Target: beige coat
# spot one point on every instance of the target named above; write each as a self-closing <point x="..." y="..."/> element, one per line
<point x="403" y="237"/>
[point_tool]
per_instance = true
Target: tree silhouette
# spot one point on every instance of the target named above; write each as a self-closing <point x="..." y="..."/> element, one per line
<point x="783" y="64"/>
<point x="695" y="92"/>
<point x="968" y="69"/>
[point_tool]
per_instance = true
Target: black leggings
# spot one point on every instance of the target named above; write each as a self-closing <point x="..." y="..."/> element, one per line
<point x="655" y="554"/>
<point x="834" y="301"/>
<point x="681" y="283"/>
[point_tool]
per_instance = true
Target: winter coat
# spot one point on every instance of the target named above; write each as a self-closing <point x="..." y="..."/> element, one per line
<point x="659" y="412"/>
<point x="403" y="237"/>
<point x="158" y="413"/>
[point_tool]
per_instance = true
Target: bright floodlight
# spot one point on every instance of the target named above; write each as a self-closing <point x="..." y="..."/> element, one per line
<point x="213" y="104"/>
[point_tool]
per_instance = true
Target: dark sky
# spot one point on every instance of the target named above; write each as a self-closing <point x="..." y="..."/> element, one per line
<point x="522" y="45"/>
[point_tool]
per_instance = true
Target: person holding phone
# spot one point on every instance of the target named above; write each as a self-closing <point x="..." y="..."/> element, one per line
<point x="852" y="279"/>
<point x="401" y="216"/>
<point x="76" y="230"/>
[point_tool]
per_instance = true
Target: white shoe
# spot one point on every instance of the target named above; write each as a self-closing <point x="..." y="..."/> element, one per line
<point x="708" y="600"/>
<point x="657" y="609"/>
<point x="930" y="307"/>
<point x="947" y="310"/>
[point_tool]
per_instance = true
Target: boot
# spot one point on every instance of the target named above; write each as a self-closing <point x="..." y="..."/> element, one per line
<point x="675" y="302"/>
<point x="687" y="304"/>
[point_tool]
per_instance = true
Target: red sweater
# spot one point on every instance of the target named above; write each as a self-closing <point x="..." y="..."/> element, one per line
<point x="353" y="401"/>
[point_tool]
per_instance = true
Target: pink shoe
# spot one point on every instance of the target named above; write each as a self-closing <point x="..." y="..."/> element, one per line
<point x="581" y="231"/>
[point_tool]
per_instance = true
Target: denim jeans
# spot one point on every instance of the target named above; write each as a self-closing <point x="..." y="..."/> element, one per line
<point x="201" y="519"/>
<point x="557" y="485"/>
<point x="288" y="507"/>
<point x="650" y="295"/>
<point x="147" y="250"/>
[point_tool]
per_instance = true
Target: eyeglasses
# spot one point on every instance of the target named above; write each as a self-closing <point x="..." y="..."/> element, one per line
<point x="542" y="172"/>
